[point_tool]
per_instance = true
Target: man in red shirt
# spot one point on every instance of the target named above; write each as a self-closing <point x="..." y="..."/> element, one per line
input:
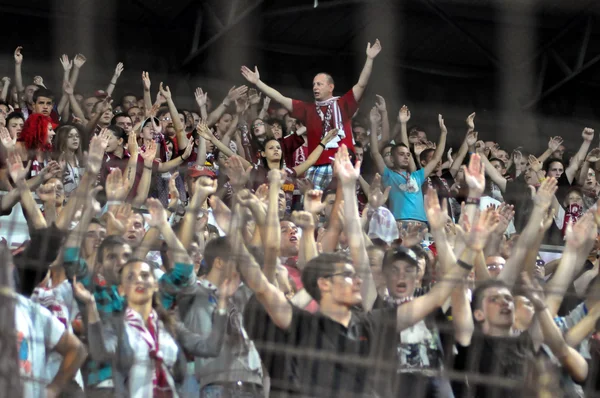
<point x="326" y="113"/>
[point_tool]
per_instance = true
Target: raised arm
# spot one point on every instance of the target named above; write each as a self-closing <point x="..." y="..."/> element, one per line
<point x="272" y="239"/>
<point x="35" y="218"/>
<point x="78" y="62"/>
<point x="494" y="174"/>
<point x="470" y="140"/>
<point x="113" y="81"/>
<point x="308" y="245"/>
<point x="254" y="78"/>
<point x="347" y="176"/>
<point x="359" y="88"/>
<point x="63" y="105"/>
<point x="179" y="128"/>
<point x="232" y="96"/>
<point x="147" y="84"/>
<point x="439" y="151"/>
<point x="375" y="152"/>
<point x="553" y="145"/>
<point x="316" y="153"/>
<point x="385" y="120"/>
<point x="18" y="72"/>
<point x="205" y="132"/>
<point x="588" y="136"/>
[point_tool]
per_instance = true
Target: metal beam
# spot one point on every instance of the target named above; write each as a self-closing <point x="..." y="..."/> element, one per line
<point x="223" y="32"/>
<point x="561" y="83"/>
<point x="232" y="10"/>
<point x="278" y="12"/>
<point x="559" y="61"/>
<point x="210" y="13"/>
<point x="584" y="43"/>
<point x="449" y="20"/>
<point x="197" y="30"/>
<point x="540" y="81"/>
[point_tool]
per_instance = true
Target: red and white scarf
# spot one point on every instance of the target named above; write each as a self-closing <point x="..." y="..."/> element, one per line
<point x="149" y="334"/>
<point x="331" y="119"/>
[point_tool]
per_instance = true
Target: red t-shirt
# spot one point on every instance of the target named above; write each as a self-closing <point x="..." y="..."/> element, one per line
<point x="306" y="112"/>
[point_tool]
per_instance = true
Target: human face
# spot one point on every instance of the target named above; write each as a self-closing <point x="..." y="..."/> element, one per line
<point x="329" y="201"/>
<point x="555" y="170"/>
<point x="258" y="129"/>
<point x="138" y="283"/>
<point x="498" y="166"/>
<point x="360" y="135"/>
<point x="289" y="243"/>
<point x="322" y="88"/>
<point x="134" y="230"/>
<point x="29" y="91"/>
<point x="88" y="105"/>
<point x="113" y="259"/>
<point x="401" y="278"/>
<point x="106" y="117"/>
<point x="73" y="140"/>
<point x="558" y="154"/>
<point x="128" y="102"/>
<point x="51" y="133"/>
<point x="531" y="177"/>
<point x="43" y="105"/>
<point x="524" y="311"/>
<point x="196" y="255"/>
<point x="343" y="286"/>
<point x="59" y="189"/>
<point x="401" y="157"/>
<point x="590" y="181"/>
<point x="224" y="123"/>
<point x="497" y="309"/>
<point x="15" y="126"/>
<point x="429" y="158"/>
<point x="113" y="143"/>
<point x="574" y="198"/>
<point x="166" y="121"/>
<point x="125" y="123"/>
<point x="272" y="151"/>
<point x="360" y="153"/>
<point x="196" y="118"/>
<point x="93" y="237"/>
<point x="136" y="114"/>
<point x="495" y="265"/>
<point x="387" y="157"/>
<point x="503" y="155"/>
<point x="417" y="136"/>
<point x="290" y="123"/>
<point x="277" y="130"/>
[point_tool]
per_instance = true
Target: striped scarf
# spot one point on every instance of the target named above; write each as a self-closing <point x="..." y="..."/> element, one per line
<point x="332" y="119"/>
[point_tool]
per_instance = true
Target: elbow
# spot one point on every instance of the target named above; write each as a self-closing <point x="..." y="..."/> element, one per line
<point x="81" y="354"/>
<point x="463" y="334"/>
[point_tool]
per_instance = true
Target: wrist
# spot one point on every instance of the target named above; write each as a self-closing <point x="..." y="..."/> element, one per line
<point x="148" y="165"/>
<point x="321" y="144"/>
<point x="540" y="307"/>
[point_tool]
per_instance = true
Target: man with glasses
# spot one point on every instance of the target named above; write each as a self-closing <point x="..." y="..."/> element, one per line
<point x="495" y="265"/>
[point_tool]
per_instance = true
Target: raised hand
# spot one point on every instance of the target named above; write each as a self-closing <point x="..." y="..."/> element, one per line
<point x="39" y="81"/>
<point x="419" y="147"/>
<point x="149" y="154"/>
<point x="8" y="142"/>
<point x="277" y="177"/>
<point x="68" y="88"/>
<point x="105" y="104"/>
<point x="303" y="219"/>
<point x="375" y="116"/>
<point x="18" y="55"/>
<point x="252" y="76"/>
<point x="478" y="235"/>
<point x="555" y="143"/>
<point x="472" y="138"/>
<point x="116" y="218"/>
<point x="117" y="186"/>
<point x="345" y="171"/>
<point x="204" y="131"/>
<point x="475" y="176"/>
<point x="266" y="102"/>
<point x="201" y="97"/>
<point x="404" y="114"/>
<point x="253" y="97"/>
<point x="374" y="50"/>
<point x="331" y="134"/>
<point x="205" y="187"/>
<point x="380" y="104"/>
<point x="436" y="214"/>
<point x="304" y="185"/>
<point x="47" y="192"/>
<point x="132" y="145"/>
<point x="119" y="69"/>
<point x="66" y="64"/>
<point x="15" y="167"/>
<point x="535" y="164"/>
<point x="158" y="215"/>
<point x="443" y="128"/>
<point x="313" y="202"/>
<point x="242" y="104"/>
<point x="52" y="170"/>
<point x="533" y="291"/>
<point x="587" y="134"/>
<point x="480" y="147"/>
<point x="234" y="168"/>
<point x="377" y="196"/>
<point x="471" y="121"/>
<point x="79" y="60"/>
<point x="146" y="81"/>
<point x="80" y="292"/>
<point x="173" y="191"/>
<point x="578" y="234"/>
<point x="165" y="92"/>
<point x="545" y="194"/>
<point x="235" y="93"/>
<point x="593" y="156"/>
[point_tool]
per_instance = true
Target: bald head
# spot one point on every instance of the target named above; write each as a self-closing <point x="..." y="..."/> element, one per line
<point x="323" y="86"/>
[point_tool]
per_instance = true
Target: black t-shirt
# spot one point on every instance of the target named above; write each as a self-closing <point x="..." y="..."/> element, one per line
<point x="324" y="358"/>
<point x="508" y="359"/>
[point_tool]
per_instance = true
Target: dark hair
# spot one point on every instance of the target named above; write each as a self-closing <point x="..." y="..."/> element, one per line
<point x="118" y="132"/>
<point x="414" y="129"/>
<point x="96" y="106"/>
<point x="319" y="267"/>
<point x="118" y="115"/>
<point x="424" y="154"/>
<point x="400" y="145"/>
<point x="14" y="115"/>
<point x="358" y="145"/>
<point x="129" y="94"/>
<point x="216" y="248"/>
<point x="98" y="221"/>
<point x="42" y="92"/>
<point x="399" y="253"/>
<point x="502" y="164"/>
<point x="212" y="229"/>
<point x="62" y="135"/>
<point x="549" y="162"/>
<point x="479" y="291"/>
<point x="262" y="147"/>
<point x="162" y="111"/>
<point x="107" y="244"/>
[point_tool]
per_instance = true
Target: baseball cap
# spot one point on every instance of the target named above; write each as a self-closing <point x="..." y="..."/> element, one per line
<point x="400" y="253"/>
<point x="100" y="94"/>
<point x="199" y="171"/>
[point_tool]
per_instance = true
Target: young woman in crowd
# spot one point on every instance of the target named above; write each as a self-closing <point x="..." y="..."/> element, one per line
<point x="67" y="149"/>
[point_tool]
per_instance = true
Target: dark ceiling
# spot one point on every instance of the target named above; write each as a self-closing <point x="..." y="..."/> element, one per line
<point x="537" y="55"/>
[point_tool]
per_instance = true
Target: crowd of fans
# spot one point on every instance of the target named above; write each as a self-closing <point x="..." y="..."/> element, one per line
<point x="265" y="246"/>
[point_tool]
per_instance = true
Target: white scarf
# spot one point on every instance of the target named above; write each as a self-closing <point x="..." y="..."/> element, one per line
<point x="332" y="119"/>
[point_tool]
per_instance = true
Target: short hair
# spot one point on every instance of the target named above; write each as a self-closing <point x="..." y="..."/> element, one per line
<point x="107" y="244"/>
<point x="415" y="129"/>
<point x="400" y="145"/>
<point x="358" y="145"/>
<point x="14" y="115"/>
<point x="134" y="260"/>
<point x="118" y="115"/>
<point x="319" y="267"/>
<point x="117" y="132"/>
<point x="216" y="248"/>
<point x="424" y="154"/>
<point x="129" y="94"/>
<point x="162" y="111"/>
<point x="549" y="162"/>
<point x="328" y="76"/>
<point x="43" y="92"/>
<point x="479" y="291"/>
<point x="399" y="253"/>
<point x="502" y="164"/>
